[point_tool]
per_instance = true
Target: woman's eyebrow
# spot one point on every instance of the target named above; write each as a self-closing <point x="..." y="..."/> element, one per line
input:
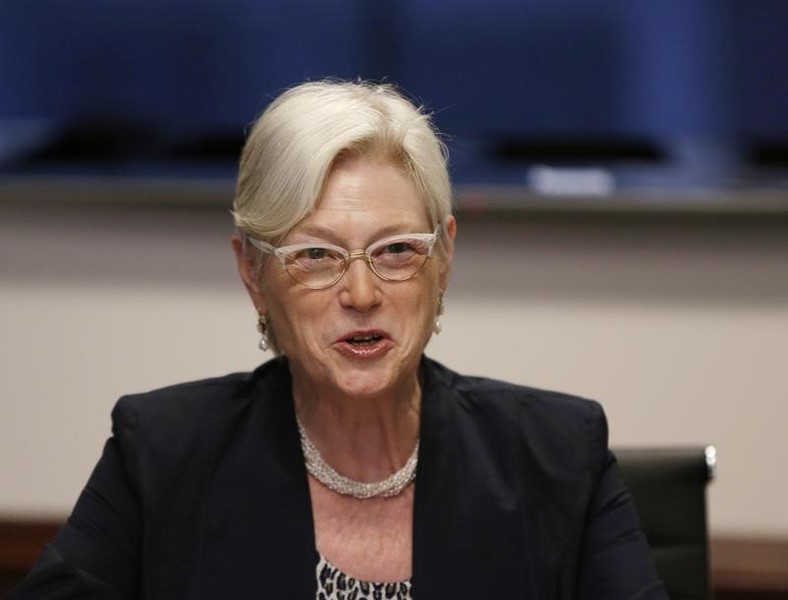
<point x="315" y="231"/>
<point x="329" y="235"/>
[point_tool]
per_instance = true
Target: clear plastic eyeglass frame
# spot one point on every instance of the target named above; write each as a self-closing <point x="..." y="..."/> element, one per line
<point x="420" y="245"/>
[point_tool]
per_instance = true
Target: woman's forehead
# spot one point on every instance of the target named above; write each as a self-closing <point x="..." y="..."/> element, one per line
<point x="358" y="184"/>
<point x="365" y="197"/>
<point x="359" y="227"/>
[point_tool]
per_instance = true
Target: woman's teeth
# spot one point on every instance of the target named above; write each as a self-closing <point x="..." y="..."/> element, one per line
<point x="363" y="339"/>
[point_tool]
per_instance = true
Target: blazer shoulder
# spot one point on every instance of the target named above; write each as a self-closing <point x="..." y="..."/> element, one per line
<point x="193" y="419"/>
<point x="186" y="404"/>
<point x="483" y="393"/>
<point x="182" y="400"/>
<point x="548" y="423"/>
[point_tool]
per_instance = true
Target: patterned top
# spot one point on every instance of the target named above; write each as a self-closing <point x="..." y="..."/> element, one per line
<point x="333" y="584"/>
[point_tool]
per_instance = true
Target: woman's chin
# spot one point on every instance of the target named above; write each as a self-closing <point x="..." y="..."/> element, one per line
<point x="366" y="382"/>
<point x="361" y="385"/>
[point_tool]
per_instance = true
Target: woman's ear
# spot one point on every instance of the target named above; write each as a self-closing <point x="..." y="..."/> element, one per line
<point x="449" y="235"/>
<point x="249" y="272"/>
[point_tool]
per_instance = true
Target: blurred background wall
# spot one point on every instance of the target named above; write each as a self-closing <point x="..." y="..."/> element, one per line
<point x="621" y="186"/>
<point x="680" y="329"/>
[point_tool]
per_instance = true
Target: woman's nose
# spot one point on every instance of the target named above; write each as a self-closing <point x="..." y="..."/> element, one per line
<point x="361" y="287"/>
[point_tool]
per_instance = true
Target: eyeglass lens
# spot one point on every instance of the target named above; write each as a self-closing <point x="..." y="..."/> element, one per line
<point x="393" y="259"/>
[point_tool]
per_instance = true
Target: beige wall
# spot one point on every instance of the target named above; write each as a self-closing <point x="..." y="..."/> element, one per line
<point x="681" y="330"/>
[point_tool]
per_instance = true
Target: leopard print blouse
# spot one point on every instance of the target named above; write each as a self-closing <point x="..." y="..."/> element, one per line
<point x="333" y="584"/>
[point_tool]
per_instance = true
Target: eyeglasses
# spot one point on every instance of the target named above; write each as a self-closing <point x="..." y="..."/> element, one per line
<point x="319" y="266"/>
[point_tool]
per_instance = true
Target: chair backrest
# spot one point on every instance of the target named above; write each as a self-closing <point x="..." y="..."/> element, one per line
<point x="668" y="486"/>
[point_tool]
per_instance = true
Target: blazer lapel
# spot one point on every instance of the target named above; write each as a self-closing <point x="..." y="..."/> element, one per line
<point x="258" y="527"/>
<point x="471" y="524"/>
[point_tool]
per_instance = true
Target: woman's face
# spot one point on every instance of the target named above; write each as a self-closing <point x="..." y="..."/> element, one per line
<point x="363" y="336"/>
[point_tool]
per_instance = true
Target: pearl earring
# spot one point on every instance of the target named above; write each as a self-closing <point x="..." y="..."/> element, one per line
<point x="437" y="328"/>
<point x="262" y="327"/>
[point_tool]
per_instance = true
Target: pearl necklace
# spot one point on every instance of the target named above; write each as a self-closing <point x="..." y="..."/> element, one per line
<point x="325" y="474"/>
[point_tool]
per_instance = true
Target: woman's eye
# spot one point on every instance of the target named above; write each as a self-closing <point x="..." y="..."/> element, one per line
<point x="311" y="256"/>
<point x="398" y="248"/>
<point x="396" y="253"/>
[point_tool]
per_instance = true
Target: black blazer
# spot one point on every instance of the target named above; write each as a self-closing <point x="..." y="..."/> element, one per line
<point x="202" y="493"/>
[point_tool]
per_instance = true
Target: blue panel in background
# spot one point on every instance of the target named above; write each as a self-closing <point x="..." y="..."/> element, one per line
<point x="525" y="81"/>
<point x="669" y="93"/>
<point x="152" y="78"/>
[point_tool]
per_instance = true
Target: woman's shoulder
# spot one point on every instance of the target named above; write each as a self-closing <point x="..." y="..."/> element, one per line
<point x="188" y="396"/>
<point x="201" y="410"/>
<point x="489" y="394"/>
<point x="518" y="427"/>
<point x="202" y="393"/>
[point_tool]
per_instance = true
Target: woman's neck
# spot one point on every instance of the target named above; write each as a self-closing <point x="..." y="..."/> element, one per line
<point x="364" y="439"/>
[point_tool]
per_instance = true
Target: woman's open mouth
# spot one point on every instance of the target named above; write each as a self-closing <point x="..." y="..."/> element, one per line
<point x="366" y="344"/>
<point x="364" y="340"/>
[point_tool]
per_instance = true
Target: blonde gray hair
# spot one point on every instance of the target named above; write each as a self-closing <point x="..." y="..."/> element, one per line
<point x="292" y="147"/>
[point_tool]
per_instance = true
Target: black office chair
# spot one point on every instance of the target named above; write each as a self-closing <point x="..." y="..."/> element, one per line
<point x="668" y="486"/>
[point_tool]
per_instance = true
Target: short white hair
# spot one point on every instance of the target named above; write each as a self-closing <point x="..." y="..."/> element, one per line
<point x="293" y="145"/>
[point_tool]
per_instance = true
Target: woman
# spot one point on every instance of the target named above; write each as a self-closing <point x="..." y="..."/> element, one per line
<point x="349" y="466"/>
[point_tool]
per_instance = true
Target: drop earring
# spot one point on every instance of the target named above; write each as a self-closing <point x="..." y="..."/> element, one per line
<point x="262" y="327"/>
<point x="437" y="328"/>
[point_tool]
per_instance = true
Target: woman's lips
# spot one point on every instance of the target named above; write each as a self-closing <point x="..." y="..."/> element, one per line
<point x="364" y="344"/>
